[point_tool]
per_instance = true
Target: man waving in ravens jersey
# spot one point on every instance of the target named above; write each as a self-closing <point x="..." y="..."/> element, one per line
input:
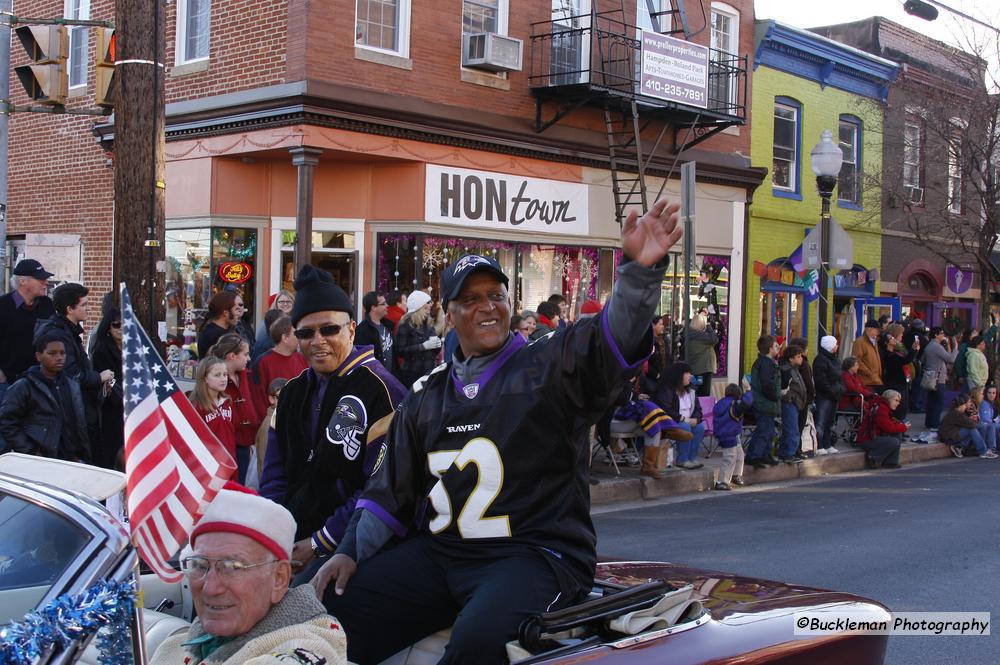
<point x="484" y="475"/>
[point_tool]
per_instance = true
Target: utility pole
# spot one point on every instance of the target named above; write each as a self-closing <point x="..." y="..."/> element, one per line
<point x="6" y="9"/>
<point x="138" y="257"/>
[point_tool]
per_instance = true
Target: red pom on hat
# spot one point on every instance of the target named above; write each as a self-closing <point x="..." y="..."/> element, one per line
<point x="590" y="307"/>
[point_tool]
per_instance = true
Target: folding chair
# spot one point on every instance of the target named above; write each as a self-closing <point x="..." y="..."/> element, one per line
<point x="709" y="443"/>
<point x="626" y="432"/>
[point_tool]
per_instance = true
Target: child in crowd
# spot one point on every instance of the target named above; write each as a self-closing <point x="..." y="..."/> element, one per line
<point x="42" y="412"/>
<point x="728" y="425"/>
<point x="235" y="352"/>
<point x="794" y="400"/>
<point x="989" y="411"/>
<point x="211" y="402"/>
<point x="273" y="390"/>
<point x="959" y="429"/>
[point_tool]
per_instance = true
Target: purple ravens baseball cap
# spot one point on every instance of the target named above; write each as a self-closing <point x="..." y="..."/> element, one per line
<point x="454" y="276"/>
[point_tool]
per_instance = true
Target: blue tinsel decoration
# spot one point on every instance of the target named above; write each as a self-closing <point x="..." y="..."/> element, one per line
<point x="105" y="607"/>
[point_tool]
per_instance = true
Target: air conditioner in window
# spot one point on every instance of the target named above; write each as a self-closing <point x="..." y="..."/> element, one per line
<point x="914" y="195"/>
<point x="492" y="52"/>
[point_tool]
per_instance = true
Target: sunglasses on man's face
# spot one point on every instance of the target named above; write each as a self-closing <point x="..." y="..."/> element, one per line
<point x="330" y="330"/>
<point x="116" y="324"/>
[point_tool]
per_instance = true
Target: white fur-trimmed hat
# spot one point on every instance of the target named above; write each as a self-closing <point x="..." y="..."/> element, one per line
<point x="237" y="509"/>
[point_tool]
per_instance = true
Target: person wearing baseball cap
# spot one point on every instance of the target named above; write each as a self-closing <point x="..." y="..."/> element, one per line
<point x="327" y="426"/>
<point x="484" y="474"/>
<point x="19" y="311"/>
<point x="238" y="569"/>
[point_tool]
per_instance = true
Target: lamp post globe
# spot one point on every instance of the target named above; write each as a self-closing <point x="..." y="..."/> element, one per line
<point x="826" y="158"/>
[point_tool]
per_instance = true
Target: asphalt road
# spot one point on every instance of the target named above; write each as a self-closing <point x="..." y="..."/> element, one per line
<point x="924" y="538"/>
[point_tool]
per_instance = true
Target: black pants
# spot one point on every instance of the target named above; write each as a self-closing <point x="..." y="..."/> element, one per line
<point x="882" y="449"/>
<point x="404" y="594"/>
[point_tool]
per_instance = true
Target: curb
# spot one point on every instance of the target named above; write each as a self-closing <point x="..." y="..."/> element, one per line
<point x="677" y="482"/>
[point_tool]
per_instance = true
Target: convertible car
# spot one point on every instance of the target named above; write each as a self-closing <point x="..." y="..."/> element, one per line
<point x="61" y="533"/>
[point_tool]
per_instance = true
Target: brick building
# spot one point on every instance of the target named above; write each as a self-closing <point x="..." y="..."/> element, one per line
<point x="805" y="84"/>
<point x="412" y="157"/>
<point x="925" y="186"/>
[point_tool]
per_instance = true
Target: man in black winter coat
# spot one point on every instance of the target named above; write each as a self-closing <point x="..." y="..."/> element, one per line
<point x="42" y="413"/>
<point x="20" y="311"/>
<point x="70" y="301"/>
<point x="829" y="389"/>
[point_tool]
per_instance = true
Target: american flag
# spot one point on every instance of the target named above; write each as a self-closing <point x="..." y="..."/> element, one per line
<point x="173" y="463"/>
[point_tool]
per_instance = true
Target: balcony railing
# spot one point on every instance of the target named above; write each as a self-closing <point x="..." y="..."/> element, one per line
<point x="597" y="52"/>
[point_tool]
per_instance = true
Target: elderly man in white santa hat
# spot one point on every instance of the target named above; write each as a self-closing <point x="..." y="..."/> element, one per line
<point x="239" y="571"/>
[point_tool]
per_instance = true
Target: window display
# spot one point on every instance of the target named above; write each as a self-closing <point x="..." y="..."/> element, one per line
<point x="200" y="263"/>
<point x="709" y="295"/>
<point x="407" y="261"/>
<point x="332" y="251"/>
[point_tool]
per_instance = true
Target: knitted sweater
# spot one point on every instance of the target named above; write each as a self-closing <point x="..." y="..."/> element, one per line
<point x="296" y="630"/>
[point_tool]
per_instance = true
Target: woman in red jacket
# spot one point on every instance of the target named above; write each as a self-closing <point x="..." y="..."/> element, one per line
<point x="211" y="402"/>
<point x="235" y="352"/>
<point x="853" y="388"/>
<point x="880" y="434"/>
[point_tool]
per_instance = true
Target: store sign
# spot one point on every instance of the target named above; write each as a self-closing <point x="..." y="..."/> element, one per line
<point x="674" y="70"/>
<point x="235" y="272"/>
<point x="482" y="199"/>
<point x="958" y="279"/>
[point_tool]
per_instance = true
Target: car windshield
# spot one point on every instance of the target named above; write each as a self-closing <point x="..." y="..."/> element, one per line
<point x="36" y="547"/>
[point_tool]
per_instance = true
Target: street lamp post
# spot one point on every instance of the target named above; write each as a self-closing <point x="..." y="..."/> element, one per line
<point x="826" y="159"/>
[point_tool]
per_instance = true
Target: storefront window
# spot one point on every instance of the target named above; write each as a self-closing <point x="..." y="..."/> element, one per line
<point x="331" y="251"/>
<point x="200" y="263"/>
<point x="234" y="265"/>
<point x="549" y="269"/>
<point x="189" y="281"/>
<point x="397" y="263"/>
<point x="709" y="286"/>
<point x="438" y="252"/>
<point x="782" y="314"/>
<point x="406" y="262"/>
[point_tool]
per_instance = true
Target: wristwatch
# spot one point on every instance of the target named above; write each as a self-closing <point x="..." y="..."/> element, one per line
<point x="314" y="546"/>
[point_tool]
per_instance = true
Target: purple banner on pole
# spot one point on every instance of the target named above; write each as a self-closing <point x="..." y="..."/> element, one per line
<point x="674" y="70"/>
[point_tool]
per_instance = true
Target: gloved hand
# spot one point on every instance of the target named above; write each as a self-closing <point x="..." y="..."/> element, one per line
<point x="432" y="343"/>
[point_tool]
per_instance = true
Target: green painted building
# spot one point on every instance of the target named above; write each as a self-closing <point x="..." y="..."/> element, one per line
<point x="803" y="84"/>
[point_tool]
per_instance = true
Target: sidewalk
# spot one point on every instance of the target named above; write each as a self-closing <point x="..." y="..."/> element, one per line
<point x="630" y="486"/>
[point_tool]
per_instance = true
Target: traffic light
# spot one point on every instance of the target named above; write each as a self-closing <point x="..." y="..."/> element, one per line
<point x="104" y="67"/>
<point x="45" y="81"/>
<point x="920" y="9"/>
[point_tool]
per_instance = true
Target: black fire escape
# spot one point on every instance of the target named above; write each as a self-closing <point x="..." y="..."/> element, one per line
<point x="594" y="59"/>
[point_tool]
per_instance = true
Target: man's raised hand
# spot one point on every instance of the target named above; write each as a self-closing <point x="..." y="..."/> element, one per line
<point x="647" y="239"/>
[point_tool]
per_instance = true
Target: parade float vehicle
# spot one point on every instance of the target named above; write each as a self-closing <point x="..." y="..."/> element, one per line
<point x="68" y="571"/>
